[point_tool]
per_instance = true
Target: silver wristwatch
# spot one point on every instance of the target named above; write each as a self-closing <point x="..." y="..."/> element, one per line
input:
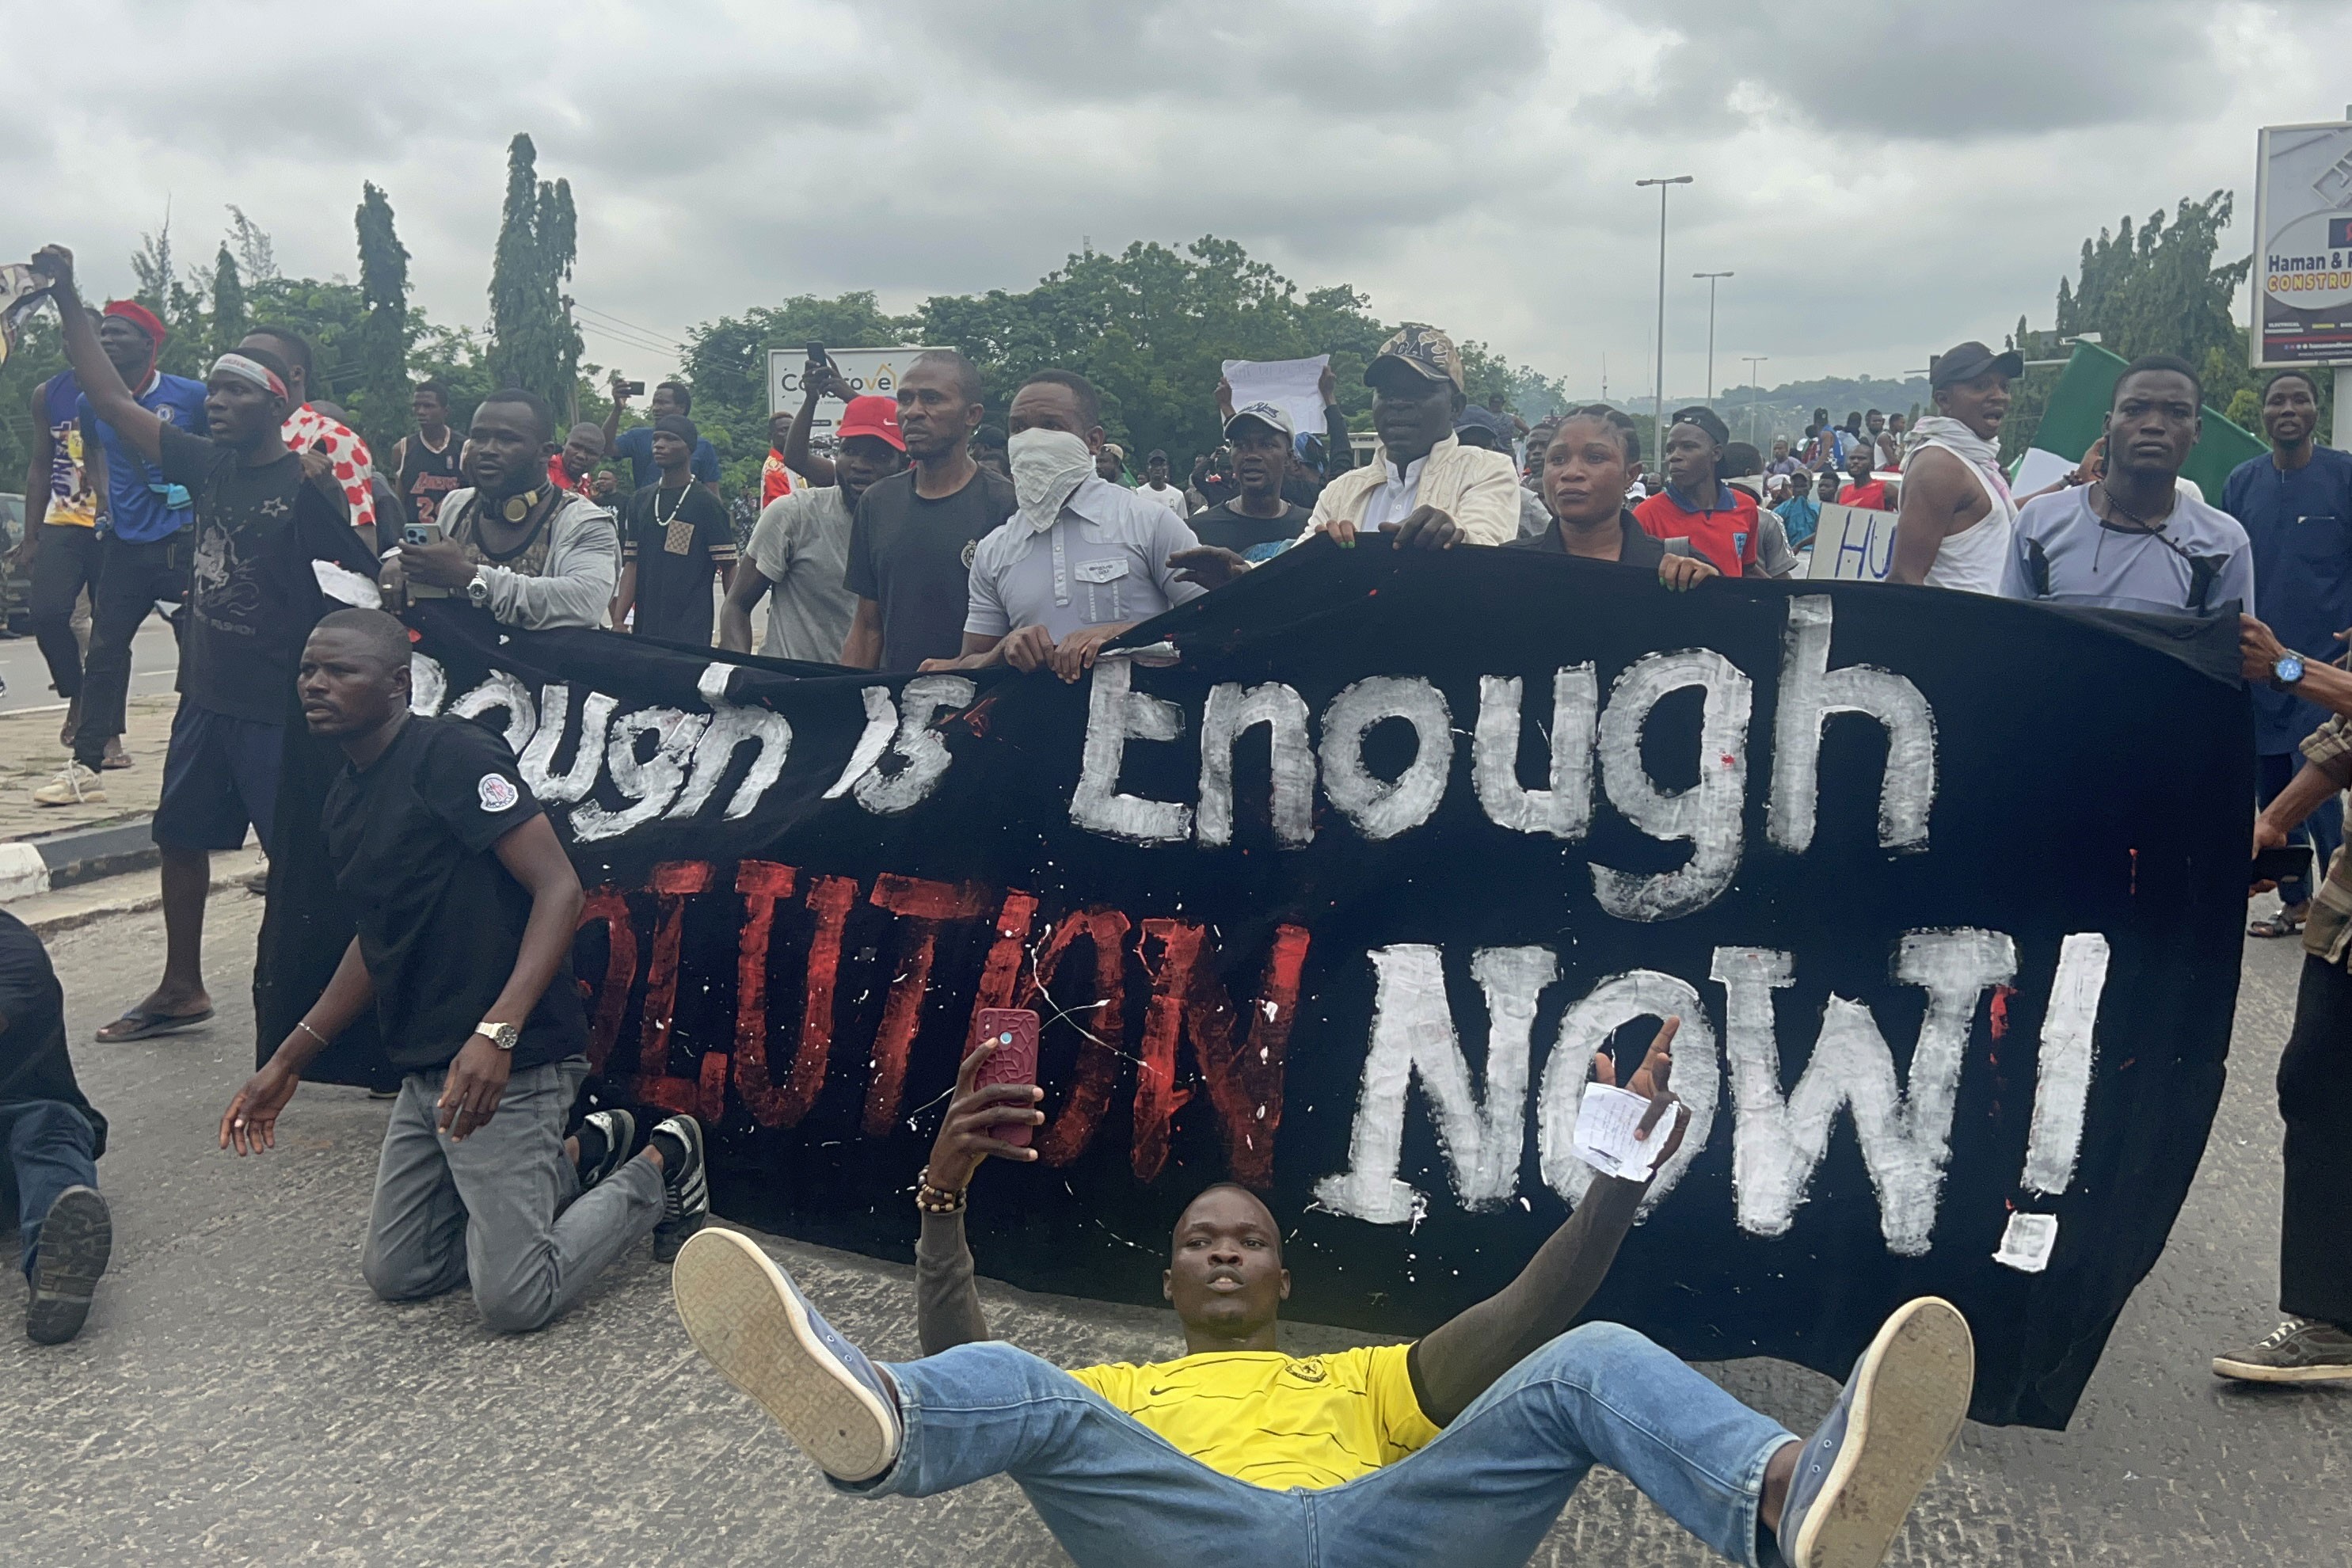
<point x="502" y="1035"/>
<point x="478" y="592"/>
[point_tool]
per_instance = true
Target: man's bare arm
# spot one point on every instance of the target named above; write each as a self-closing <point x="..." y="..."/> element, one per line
<point x="743" y="596"/>
<point x="863" y="648"/>
<point x="819" y="471"/>
<point x="36" y="482"/>
<point x="1935" y="490"/>
<point x="1462" y="1358"/>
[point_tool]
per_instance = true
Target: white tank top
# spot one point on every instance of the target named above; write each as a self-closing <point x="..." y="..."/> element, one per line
<point x="1972" y="559"/>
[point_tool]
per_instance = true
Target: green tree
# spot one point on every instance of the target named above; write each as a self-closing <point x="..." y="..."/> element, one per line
<point x="534" y="343"/>
<point x="228" y="315"/>
<point x="1150" y="327"/>
<point x="383" y="335"/>
<point x="2150" y="290"/>
<point x="726" y="363"/>
<point x="180" y="302"/>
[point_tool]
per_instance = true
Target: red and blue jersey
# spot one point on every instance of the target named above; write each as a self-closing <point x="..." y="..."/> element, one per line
<point x="1722" y="534"/>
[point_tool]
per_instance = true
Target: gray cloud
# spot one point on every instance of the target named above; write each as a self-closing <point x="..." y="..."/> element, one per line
<point x="1884" y="180"/>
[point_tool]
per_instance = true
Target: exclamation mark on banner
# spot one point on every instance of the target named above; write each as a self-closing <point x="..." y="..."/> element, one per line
<point x="2063" y="1090"/>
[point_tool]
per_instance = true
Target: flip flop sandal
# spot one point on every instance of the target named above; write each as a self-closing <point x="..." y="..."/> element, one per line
<point x="145" y="1026"/>
<point x="2276" y="925"/>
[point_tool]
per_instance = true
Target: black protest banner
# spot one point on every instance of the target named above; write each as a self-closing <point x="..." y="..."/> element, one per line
<point x="1946" y="890"/>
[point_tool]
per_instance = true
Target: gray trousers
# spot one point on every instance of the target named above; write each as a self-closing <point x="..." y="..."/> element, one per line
<point x="497" y="1209"/>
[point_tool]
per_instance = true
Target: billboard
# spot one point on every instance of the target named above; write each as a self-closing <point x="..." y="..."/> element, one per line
<point x="871" y="371"/>
<point x="2303" y="246"/>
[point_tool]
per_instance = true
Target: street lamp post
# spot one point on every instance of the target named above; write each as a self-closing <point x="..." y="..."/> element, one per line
<point x="1753" y="361"/>
<point x="1658" y="433"/>
<point x="1712" y="278"/>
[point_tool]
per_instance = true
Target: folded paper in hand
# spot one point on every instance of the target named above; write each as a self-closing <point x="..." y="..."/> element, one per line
<point x="1605" y="1124"/>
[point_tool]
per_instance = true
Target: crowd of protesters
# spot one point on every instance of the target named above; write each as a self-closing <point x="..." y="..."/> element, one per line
<point x="929" y="538"/>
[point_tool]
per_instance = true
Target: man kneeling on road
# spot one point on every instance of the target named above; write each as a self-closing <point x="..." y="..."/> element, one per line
<point x="465" y="905"/>
<point x="1460" y="1449"/>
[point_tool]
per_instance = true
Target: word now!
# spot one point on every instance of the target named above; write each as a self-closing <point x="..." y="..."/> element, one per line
<point x="1778" y="1136"/>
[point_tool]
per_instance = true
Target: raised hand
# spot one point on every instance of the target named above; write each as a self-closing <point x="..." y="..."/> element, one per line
<point x="1650" y="1083"/>
<point x="968" y="1135"/>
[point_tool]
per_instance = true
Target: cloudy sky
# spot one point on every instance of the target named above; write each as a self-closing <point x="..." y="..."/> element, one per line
<point x="1883" y="178"/>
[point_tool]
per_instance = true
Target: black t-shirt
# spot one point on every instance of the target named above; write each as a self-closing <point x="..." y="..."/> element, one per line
<point x="679" y="540"/>
<point x="913" y="558"/>
<point x="33" y="1060"/>
<point x="1238" y="531"/>
<point x="440" y="919"/>
<point x="252" y="595"/>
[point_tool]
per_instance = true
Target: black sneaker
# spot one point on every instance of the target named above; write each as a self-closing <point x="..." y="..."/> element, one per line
<point x="2297" y="1350"/>
<point x="618" y="1130"/>
<point x="1859" y="1473"/>
<point x="77" y="1238"/>
<point x="686" y="1203"/>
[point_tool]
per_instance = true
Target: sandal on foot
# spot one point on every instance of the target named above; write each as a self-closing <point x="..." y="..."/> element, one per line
<point x="143" y="1024"/>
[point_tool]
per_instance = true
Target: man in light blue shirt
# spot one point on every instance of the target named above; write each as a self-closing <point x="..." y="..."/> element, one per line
<point x="1082" y="561"/>
<point x="2130" y="540"/>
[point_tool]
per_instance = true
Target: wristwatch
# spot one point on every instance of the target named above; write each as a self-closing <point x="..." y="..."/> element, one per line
<point x="2286" y="671"/>
<point x="478" y="592"/>
<point x="502" y="1035"/>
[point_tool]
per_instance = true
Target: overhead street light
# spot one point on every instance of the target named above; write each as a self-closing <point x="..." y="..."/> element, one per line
<point x="1753" y="361"/>
<point x="1658" y="436"/>
<point x="1712" y="278"/>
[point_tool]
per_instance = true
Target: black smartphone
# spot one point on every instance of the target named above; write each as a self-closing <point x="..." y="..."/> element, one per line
<point x="816" y="352"/>
<point x="2277" y="864"/>
<point x="634" y="388"/>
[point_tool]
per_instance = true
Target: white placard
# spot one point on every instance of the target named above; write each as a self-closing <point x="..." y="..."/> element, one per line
<point x="2028" y="1242"/>
<point x="1607" y="1120"/>
<point x="868" y="371"/>
<point x="1852" y="544"/>
<point x="1293" y="385"/>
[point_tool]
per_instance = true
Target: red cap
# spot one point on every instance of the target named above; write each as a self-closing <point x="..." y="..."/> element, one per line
<point x="141" y="317"/>
<point x="872" y="417"/>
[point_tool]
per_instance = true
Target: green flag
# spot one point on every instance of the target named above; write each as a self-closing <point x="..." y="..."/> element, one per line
<point x="2078" y="410"/>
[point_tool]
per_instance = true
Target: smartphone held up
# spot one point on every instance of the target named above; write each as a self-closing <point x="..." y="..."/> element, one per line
<point x="1013" y="1031"/>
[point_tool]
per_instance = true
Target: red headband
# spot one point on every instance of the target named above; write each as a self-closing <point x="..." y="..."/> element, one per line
<point x="141" y="317"/>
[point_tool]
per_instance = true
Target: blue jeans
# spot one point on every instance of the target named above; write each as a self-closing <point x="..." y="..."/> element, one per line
<point x="1113" y="1492"/>
<point x="2324" y="828"/>
<point x="48" y="1143"/>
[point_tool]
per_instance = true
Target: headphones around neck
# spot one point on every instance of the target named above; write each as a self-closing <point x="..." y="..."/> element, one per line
<point x="519" y="506"/>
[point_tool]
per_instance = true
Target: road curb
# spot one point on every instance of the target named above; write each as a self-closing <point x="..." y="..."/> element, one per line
<point x="124" y="893"/>
<point x="86" y="854"/>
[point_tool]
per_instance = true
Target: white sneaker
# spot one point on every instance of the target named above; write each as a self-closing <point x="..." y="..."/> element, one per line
<point x="74" y="785"/>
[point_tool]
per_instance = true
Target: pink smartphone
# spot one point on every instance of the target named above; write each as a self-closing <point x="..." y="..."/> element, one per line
<point x="1015" y="1059"/>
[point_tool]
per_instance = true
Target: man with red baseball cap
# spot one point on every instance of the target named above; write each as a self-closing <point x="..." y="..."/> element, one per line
<point x="799" y="547"/>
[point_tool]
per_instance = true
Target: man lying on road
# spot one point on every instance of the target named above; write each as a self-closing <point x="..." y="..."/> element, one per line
<point x="1460" y="1449"/>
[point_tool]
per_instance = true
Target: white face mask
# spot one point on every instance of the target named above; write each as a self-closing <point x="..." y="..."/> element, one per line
<point x="1048" y="466"/>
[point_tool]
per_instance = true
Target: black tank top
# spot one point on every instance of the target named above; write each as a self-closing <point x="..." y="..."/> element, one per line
<point x="425" y="476"/>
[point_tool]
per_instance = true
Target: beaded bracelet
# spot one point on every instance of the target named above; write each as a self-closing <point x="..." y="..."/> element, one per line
<point x="930" y="1199"/>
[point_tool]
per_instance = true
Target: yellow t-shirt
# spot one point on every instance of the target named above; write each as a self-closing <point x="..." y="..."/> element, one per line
<point x="1273" y="1420"/>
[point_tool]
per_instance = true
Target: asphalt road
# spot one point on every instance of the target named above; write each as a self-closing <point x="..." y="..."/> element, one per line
<point x="239" y="1397"/>
<point x="154" y="660"/>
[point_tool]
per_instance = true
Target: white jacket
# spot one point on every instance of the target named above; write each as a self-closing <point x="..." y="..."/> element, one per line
<point x="1477" y="489"/>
